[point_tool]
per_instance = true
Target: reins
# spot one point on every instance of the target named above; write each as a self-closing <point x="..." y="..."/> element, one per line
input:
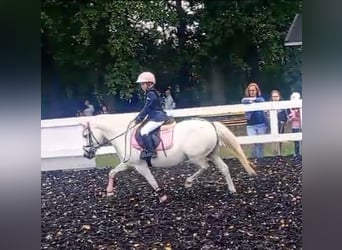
<point x="96" y="146"/>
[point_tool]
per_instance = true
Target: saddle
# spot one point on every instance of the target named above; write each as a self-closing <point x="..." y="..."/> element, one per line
<point x="162" y="137"/>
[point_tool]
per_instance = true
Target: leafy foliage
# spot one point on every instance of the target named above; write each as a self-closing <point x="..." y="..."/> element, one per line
<point x="183" y="42"/>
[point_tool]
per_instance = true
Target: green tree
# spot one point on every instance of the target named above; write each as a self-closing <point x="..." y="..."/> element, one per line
<point x="213" y="47"/>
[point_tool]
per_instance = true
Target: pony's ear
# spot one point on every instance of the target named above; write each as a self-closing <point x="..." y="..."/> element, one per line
<point x="84" y="123"/>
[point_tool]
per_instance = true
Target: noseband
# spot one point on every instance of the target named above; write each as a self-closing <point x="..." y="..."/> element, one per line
<point x="91" y="147"/>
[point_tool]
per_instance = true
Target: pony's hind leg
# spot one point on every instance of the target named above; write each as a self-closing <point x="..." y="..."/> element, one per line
<point x="145" y="171"/>
<point x="224" y="169"/>
<point x="203" y="164"/>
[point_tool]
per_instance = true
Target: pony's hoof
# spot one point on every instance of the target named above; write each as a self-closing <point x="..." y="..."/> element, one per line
<point x="233" y="194"/>
<point x="110" y="194"/>
<point x="188" y="184"/>
<point x="233" y="191"/>
<point x="163" y="198"/>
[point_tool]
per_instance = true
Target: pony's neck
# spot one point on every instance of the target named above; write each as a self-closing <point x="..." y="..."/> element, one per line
<point x="115" y="135"/>
<point x="108" y="131"/>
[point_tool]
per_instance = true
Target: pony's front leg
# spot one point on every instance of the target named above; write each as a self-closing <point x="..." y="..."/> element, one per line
<point x="111" y="176"/>
<point x="146" y="172"/>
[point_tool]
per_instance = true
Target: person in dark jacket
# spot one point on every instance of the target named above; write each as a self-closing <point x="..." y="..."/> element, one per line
<point x="153" y="112"/>
<point x="282" y="119"/>
<point x="256" y="120"/>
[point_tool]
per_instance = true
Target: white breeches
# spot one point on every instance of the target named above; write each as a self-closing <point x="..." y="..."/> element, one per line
<point x="150" y="126"/>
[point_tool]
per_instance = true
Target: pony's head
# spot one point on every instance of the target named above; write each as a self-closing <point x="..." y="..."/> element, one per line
<point x="93" y="139"/>
<point x="100" y="131"/>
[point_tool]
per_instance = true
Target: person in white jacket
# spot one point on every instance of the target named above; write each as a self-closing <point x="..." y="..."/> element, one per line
<point x="89" y="110"/>
<point x="169" y="103"/>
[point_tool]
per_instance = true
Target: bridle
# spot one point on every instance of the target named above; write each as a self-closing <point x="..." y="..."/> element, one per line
<point x="93" y="144"/>
<point x="91" y="147"/>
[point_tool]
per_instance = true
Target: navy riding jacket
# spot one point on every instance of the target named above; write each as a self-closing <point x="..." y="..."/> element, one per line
<point x="153" y="108"/>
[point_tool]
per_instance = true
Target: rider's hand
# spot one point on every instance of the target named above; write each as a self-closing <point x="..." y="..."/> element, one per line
<point x="138" y="120"/>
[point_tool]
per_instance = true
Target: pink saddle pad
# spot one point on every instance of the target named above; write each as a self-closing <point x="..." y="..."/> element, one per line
<point x="166" y="136"/>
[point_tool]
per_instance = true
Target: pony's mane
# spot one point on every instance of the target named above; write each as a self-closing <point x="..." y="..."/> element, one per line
<point x="128" y="116"/>
<point x="112" y="120"/>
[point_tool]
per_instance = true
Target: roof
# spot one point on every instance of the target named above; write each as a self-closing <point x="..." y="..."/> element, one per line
<point x="294" y="35"/>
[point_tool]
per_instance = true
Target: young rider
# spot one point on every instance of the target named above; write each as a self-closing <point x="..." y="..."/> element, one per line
<point x="153" y="110"/>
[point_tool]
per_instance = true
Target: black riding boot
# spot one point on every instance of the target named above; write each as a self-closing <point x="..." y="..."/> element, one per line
<point x="149" y="149"/>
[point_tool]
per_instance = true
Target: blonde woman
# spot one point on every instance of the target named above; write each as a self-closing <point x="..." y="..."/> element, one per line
<point x="256" y="120"/>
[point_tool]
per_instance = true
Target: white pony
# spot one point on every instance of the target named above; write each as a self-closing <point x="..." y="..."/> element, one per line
<point x="194" y="140"/>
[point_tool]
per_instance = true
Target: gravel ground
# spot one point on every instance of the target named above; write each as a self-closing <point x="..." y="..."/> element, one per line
<point x="265" y="214"/>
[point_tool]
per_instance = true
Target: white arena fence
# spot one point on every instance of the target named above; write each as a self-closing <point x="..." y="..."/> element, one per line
<point x="61" y="140"/>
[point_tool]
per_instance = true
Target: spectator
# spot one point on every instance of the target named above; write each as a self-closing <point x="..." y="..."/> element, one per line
<point x="89" y="110"/>
<point x="282" y="118"/>
<point x="256" y="120"/>
<point x="103" y="110"/>
<point x="169" y="102"/>
<point x="295" y="120"/>
<point x="158" y="91"/>
<point x="79" y="113"/>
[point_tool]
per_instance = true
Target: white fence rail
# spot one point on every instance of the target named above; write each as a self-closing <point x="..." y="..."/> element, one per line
<point x="61" y="138"/>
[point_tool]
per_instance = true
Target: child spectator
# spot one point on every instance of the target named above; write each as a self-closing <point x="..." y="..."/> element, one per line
<point x="295" y="120"/>
<point x="282" y="118"/>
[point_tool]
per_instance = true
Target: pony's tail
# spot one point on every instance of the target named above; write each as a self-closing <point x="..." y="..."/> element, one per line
<point x="228" y="140"/>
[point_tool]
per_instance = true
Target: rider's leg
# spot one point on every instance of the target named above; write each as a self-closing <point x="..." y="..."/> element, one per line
<point x="147" y="139"/>
<point x="150" y="126"/>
